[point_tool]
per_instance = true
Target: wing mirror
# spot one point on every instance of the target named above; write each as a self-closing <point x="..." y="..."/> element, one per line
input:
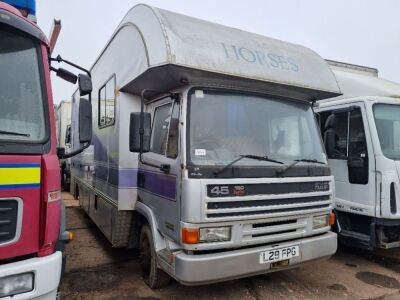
<point x="85" y="84"/>
<point x="135" y="132"/>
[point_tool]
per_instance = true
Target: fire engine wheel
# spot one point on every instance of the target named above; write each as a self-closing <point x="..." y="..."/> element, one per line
<point x="152" y="275"/>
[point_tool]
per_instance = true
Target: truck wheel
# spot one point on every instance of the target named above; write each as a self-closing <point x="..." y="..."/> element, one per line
<point x="152" y="275"/>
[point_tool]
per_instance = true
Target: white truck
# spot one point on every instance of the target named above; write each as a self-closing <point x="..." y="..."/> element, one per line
<point x="206" y="154"/>
<point x="361" y="131"/>
<point x="63" y="129"/>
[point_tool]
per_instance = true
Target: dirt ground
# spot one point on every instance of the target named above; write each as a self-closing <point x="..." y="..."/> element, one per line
<point x="97" y="271"/>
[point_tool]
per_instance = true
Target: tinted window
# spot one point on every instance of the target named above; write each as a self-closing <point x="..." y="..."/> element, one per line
<point x="358" y="155"/>
<point x="340" y="129"/>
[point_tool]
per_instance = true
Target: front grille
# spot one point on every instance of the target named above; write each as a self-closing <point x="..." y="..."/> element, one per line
<point x="272" y="231"/>
<point x="269" y="200"/>
<point x="8" y="220"/>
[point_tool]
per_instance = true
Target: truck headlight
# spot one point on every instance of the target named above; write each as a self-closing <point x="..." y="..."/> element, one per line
<point x="16" y="284"/>
<point x="320" y="221"/>
<point x="217" y="234"/>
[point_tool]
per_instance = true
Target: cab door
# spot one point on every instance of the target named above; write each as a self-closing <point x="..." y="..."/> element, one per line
<point x="352" y="160"/>
<point x="159" y="175"/>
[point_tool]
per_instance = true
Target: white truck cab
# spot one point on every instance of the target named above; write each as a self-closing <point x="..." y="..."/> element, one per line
<point x="361" y="132"/>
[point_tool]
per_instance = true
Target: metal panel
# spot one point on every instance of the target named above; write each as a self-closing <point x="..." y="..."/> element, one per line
<point x="182" y="48"/>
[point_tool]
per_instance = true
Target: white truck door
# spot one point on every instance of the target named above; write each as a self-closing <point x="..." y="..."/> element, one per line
<point x="352" y="163"/>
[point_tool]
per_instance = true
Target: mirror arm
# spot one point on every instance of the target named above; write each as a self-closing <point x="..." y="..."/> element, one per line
<point x="59" y="59"/>
<point x="73" y="153"/>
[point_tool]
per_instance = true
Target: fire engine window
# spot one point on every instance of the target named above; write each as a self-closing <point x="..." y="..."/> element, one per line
<point x="159" y="134"/>
<point x="107" y="103"/>
<point x="173" y="135"/>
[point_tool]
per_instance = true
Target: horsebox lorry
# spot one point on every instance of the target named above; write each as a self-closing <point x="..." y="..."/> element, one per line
<point x="361" y="131"/>
<point x="32" y="221"/>
<point x="206" y="154"/>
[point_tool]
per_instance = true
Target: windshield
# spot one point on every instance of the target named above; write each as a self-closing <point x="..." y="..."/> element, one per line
<point x="387" y="120"/>
<point x="225" y="125"/>
<point x="21" y="100"/>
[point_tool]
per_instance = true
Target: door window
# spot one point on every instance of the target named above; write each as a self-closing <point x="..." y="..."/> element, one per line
<point x="358" y="155"/>
<point x="341" y="133"/>
<point x="159" y="134"/>
<point x="350" y="142"/>
<point x="173" y="135"/>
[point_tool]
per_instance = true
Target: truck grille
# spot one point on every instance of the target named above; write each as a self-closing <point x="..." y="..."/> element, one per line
<point x="273" y="231"/>
<point x="273" y="202"/>
<point x="8" y="220"/>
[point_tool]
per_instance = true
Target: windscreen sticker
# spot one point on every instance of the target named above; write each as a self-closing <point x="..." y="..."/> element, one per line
<point x="200" y="152"/>
<point x="199" y="94"/>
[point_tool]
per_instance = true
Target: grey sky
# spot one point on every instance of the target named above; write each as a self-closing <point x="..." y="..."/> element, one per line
<point x="365" y="32"/>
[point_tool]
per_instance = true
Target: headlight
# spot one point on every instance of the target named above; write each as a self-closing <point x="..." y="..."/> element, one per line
<point x="218" y="234"/>
<point x="16" y="284"/>
<point x="320" y="221"/>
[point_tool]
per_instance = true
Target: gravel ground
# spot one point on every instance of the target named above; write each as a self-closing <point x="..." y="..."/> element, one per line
<point x="95" y="270"/>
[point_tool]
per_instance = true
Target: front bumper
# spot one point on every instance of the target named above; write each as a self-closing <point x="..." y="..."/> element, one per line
<point x="209" y="268"/>
<point x="47" y="273"/>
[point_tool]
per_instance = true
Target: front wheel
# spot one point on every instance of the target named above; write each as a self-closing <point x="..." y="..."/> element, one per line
<point x="152" y="275"/>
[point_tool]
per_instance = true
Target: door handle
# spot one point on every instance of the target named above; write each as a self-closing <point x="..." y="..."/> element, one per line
<point x="165" y="168"/>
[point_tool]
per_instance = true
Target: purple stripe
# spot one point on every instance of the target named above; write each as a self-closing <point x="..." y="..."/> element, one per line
<point x="127" y="178"/>
<point x="160" y="184"/>
<point x="154" y="182"/>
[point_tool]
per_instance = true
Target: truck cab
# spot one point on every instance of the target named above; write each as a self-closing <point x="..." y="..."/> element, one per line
<point x="206" y="155"/>
<point x="361" y="136"/>
<point x="32" y="219"/>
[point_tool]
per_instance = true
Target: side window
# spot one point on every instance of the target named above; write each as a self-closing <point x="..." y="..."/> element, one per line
<point x="107" y="103"/>
<point x="159" y="132"/>
<point x="341" y="129"/>
<point x="173" y="135"/>
<point x="358" y="155"/>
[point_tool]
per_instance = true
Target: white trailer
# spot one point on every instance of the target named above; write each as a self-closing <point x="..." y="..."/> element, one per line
<point x="63" y="129"/>
<point x="361" y="131"/>
<point x="231" y="179"/>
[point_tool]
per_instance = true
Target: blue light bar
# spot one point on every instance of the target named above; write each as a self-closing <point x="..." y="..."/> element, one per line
<point x="28" y="5"/>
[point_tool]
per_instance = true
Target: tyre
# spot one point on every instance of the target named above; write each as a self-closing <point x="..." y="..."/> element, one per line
<point x="152" y="275"/>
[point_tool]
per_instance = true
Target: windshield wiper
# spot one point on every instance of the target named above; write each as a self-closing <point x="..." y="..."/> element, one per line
<point x="251" y="156"/>
<point x="14" y="133"/>
<point x="296" y="161"/>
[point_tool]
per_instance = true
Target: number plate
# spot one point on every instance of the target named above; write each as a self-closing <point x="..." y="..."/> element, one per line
<point x="271" y="256"/>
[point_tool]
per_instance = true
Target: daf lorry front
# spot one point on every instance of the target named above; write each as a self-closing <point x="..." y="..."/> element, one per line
<point x="221" y="173"/>
<point x="32" y="220"/>
<point x="361" y="131"/>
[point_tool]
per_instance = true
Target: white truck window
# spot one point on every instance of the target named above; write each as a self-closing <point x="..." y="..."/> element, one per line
<point x="341" y="133"/>
<point x="358" y="155"/>
<point x="107" y="103"/>
<point x="159" y="133"/>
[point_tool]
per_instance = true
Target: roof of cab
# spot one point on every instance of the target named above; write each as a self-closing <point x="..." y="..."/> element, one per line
<point x="183" y="49"/>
